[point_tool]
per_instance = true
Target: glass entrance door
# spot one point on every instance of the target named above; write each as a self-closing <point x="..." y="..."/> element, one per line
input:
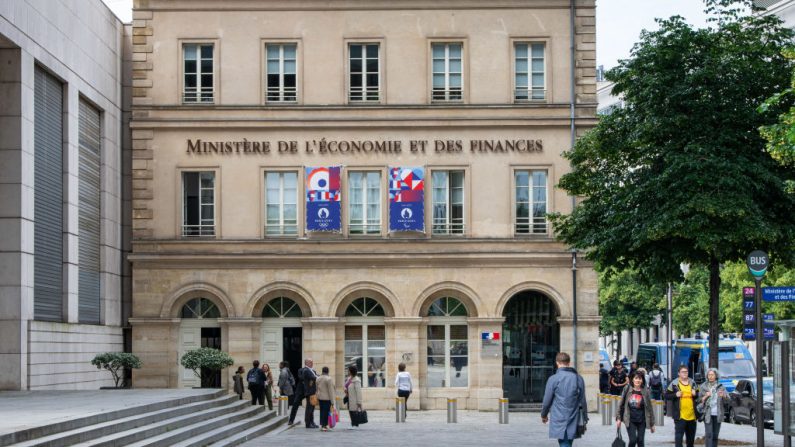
<point x="531" y="339"/>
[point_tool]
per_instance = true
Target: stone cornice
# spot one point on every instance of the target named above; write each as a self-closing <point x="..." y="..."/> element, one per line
<point x="353" y="5"/>
<point x="320" y="320"/>
<point x="152" y="320"/>
<point x="241" y="321"/>
<point x="486" y="320"/>
<point x="409" y="321"/>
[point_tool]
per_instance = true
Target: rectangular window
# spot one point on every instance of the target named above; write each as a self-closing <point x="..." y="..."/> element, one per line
<point x="373" y="338"/>
<point x="365" y="74"/>
<point x="280" y="72"/>
<point x="364" y="203"/>
<point x="447" y="63"/>
<point x="448" y="355"/>
<point x="198" y="203"/>
<point x="198" y="72"/>
<point x="531" y="202"/>
<point x="281" y="204"/>
<point x="448" y="202"/>
<point x="529" y="66"/>
<point x="89" y="193"/>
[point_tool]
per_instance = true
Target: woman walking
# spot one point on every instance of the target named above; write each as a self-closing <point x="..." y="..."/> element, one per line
<point x="325" y="394"/>
<point x="403" y="385"/>
<point x="711" y="404"/>
<point x="353" y="391"/>
<point x="286" y="382"/>
<point x="635" y="410"/>
<point x="266" y="369"/>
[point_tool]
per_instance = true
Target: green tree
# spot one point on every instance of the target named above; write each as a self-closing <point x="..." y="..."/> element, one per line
<point x="781" y="135"/>
<point x="626" y="301"/>
<point x="691" y="302"/>
<point x="115" y="363"/>
<point x="680" y="174"/>
<point x="205" y="363"/>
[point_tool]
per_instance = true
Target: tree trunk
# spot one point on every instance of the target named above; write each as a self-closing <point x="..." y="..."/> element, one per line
<point x="714" y="306"/>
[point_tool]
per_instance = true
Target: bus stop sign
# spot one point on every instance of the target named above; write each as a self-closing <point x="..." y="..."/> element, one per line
<point x="757" y="264"/>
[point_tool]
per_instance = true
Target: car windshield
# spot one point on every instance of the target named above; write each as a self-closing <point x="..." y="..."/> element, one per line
<point x="736" y="368"/>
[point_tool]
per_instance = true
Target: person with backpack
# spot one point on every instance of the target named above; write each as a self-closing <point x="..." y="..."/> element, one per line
<point x="635" y="411"/>
<point x="286" y="382"/>
<point x="256" y="384"/>
<point x="656" y="382"/>
<point x="681" y="397"/>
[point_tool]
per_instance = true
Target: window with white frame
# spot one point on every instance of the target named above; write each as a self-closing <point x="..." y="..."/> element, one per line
<point x="448" y="202"/>
<point x="280" y="72"/>
<point x="198" y="203"/>
<point x="364" y="72"/>
<point x="529" y="65"/>
<point x="281" y="203"/>
<point x="364" y="202"/>
<point x="365" y="341"/>
<point x="448" y="346"/>
<point x="198" y="73"/>
<point x="531" y="201"/>
<point x="447" y="75"/>
<point x="281" y="307"/>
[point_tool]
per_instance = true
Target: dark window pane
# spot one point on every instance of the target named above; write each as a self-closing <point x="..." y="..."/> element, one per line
<point x="372" y="80"/>
<point x="273" y="80"/>
<point x="207" y="52"/>
<point x="356" y="66"/>
<point x="207" y="66"/>
<point x="356" y="80"/>
<point x="372" y="65"/>
<point x="191" y="194"/>
<point x="289" y="80"/>
<point x="372" y="51"/>
<point x="356" y="51"/>
<point x="190" y="81"/>
<point x="190" y="67"/>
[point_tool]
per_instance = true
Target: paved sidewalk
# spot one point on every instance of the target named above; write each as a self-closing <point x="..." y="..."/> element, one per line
<point x="477" y="429"/>
<point x="20" y="410"/>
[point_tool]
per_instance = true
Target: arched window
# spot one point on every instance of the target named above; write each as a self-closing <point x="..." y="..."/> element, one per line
<point x="281" y="307"/>
<point x="200" y="308"/>
<point x="364" y="307"/>
<point x="448" y="347"/>
<point x="365" y="341"/>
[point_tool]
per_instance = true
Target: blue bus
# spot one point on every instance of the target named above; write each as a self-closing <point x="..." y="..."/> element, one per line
<point x="734" y="360"/>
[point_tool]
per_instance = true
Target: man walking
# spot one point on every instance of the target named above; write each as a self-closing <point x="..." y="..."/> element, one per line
<point x="618" y="378"/>
<point x="307" y="387"/>
<point x="563" y="398"/>
<point x="681" y="396"/>
<point x="256" y="384"/>
<point x="656" y="382"/>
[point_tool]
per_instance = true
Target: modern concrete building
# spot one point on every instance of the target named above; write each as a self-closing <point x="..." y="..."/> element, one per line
<point x="61" y="269"/>
<point x="785" y="9"/>
<point x="363" y="182"/>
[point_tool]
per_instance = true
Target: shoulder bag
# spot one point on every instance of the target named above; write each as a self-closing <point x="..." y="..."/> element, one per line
<point x="619" y="441"/>
<point x="582" y="417"/>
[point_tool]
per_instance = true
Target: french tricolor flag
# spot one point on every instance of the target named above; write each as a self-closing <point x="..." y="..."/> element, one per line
<point x="490" y="335"/>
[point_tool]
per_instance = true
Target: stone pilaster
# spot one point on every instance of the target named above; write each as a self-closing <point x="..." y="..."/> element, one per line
<point x="585" y="52"/>
<point x="156" y="342"/>
<point x="142" y="155"/>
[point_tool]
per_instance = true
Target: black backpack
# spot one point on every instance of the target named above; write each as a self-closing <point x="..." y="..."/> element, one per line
<point x="655" y="380"/>
<point x="252" y="376"/>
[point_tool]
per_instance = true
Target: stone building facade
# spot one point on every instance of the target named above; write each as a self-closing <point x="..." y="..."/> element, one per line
<point x="247" y="112"/>
<point x="62" y="121"/>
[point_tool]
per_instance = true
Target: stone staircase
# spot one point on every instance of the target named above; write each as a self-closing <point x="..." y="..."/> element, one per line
<point x="216" y="419"/>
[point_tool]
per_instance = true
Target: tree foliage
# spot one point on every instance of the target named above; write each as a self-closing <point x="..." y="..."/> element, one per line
<point x="205" y="362"/>
<point x="680" y="175"/>
<point x="780" y="136"/>
<point x="626" y="301"/>
<point x="115" y="363"/>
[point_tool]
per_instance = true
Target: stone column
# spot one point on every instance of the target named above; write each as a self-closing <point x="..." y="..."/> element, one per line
<point x="485" y="364"/>
<point x="240" y="337"/>
<point x="403" y="346"/>
<point x="156" y="342"/>
<point x="587" y="351"/>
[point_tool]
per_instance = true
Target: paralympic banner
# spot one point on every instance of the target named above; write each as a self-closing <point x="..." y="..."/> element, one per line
<point x="323" y="199"/>
<point x="406" y="199"/>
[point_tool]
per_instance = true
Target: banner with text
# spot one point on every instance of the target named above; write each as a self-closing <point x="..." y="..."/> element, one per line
<point x="406" y="199"/>
<point x="323" y="199"/>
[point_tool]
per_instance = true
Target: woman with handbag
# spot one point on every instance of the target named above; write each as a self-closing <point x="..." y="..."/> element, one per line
<point x="635" y="410"/>
<point x="353" y="388"/>
<point x="325" y="396"/>
<point x="266" y="369"/>
<point x="711" y="405"/>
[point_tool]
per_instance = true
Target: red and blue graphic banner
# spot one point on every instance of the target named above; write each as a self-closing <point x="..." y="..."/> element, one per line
<point x="323" y="199"/>
<point x="406" y="199"/>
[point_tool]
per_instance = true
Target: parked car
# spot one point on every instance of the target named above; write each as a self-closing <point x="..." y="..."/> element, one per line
<point x="742" y="402"/>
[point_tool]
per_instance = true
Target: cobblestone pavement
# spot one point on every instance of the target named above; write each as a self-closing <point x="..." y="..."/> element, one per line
<point x="479" y="429"/>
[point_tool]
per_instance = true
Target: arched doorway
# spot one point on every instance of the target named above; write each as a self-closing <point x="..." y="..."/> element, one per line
<point x="282" y="334"/>
<point x="365" y="341"/>
<point x="531" y="339"/>
<point x="448" y="344"/>
<point x="199" y="328"/>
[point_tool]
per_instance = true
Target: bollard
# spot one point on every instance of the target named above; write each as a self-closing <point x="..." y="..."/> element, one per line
<point x="282" y="409"/>
<point x="659" y="412"/>
<point x="599" y="403"/>
<point x="452" y="411"/>
<point x="400" y="409"/>
<point x="614" y="401"/>
<point x="503" y="410"/>
<point x="606" y="408"/>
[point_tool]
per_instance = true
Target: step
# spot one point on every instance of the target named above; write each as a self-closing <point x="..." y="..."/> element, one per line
<point x="237" y="433"/>
<point x="95" y="431"/>
<point x="198" y="430"/>
<point x="168" y="424"/>
<point x="59" y="427"/>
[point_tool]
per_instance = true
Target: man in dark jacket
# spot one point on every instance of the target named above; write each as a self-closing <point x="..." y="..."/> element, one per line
<point x="604" y="379"/>
<point x="564" y="398"/>
<point x="305" y="388"/>
<point x="256" y="384"/>
<point x="681" y="397"/>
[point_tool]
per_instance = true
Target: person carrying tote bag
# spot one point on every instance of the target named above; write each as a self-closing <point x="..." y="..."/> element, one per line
<point x="619" y="441"/>
<point x="354" y="391"/>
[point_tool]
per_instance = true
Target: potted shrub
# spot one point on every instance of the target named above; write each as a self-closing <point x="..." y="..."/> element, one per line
<point x="206" y="363"/>
<point x="116" y="363"/>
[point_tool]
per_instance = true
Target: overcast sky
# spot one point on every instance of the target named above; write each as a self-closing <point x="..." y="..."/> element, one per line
<point x="618" y="22"/>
